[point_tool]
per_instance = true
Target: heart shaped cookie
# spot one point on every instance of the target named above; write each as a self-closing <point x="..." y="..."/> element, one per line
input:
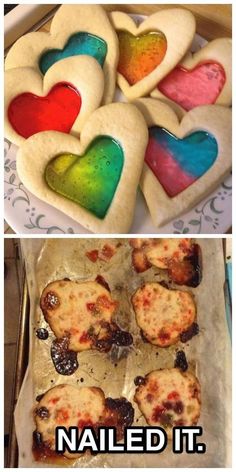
<point x="83" y="178"/>
<point x="148" y="52"/>
<point x="202" y="78"/>
<point x="184" y="161"/>
<point x="93" y="180"/>
<point x="62" y="101"/>
<point x="177" y="163"/>
<point x="75" y="30"/>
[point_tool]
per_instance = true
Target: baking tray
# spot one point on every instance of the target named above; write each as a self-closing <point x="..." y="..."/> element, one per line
<point x="20" y="369"/>
<point x="23" y="348"/>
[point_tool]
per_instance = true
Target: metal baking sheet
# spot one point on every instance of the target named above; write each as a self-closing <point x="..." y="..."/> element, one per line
<point x="208" y="353"/>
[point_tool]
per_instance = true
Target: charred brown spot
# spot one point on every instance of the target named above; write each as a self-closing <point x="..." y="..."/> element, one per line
<point x="120" y="413"/>
<point x="50" y="301"/>
<point x="100" y="280"/>
<point x="163" y="283"/>
<point x="163" y="335"/>
<point x="193" y="330"/>
<point x="42" y="412"/>
<point x="64" y="360"/>
<point x="149" y="397"/>
<point x="111" y="334"/>
<point x="39" y="397"/>
<point x="42" y="333"/>
<point x="42" y="451"/>
<point x="178" y="407"/>
<point x="139" y="380"/>
<point x="144" y="338"/>
<point x="189" y="270"/>
<point x="122" y="338"/>
<point x="181" y="361"/>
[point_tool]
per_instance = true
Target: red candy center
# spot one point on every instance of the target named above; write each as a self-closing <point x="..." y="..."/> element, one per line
<point x="30" y="114"/>
<point x="191" y="88"/>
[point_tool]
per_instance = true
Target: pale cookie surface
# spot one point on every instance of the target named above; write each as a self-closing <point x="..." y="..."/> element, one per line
<point x="163" y="314"/>
<point x="160" y="251"/>
<point x="65" y="405"/>
<point x="108" y="161"/>
<point x="169" y="398"/>
<point x="184" y="160"/>
<point x="96" y="37"/>
<point x="151" y="50"/>
<point x="80" y="310"/>
<point x="201" y="78"/>
<point x="32" y="105"/>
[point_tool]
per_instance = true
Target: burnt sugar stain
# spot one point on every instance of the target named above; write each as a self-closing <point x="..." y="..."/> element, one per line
<point x="120" y="414"/>
<point x="193" y="330"/>
<point x="114" y="336"/>
<point x="195" y="259"/>
<point x="181" y="361"/>
<point x="64" y="360"/>
<point x="42" y="412"/>
<point x="41" y="450"/>
<point x="122" y="338"/>
<point x="139" y="380"/>
<point x="189" y="270"/>
<point x="42" y="333"/>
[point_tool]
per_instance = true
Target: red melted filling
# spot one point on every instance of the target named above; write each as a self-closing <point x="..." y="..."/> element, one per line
<point x="30" y="114"/>
<point x="191" y="88"/>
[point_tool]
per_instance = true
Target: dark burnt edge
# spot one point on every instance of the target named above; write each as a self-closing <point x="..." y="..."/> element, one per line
<point x="139" y="380"/>
<point x="124" y="410"/>
<point x="192" y="331"/>
<point x="195" y="259"/>
<point x="102" y="281"/>
<point x="145" y="340"/>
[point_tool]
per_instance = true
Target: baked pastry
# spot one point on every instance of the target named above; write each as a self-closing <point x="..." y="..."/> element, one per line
<point x="163" y="314"/>
<point x="169" y="398"/>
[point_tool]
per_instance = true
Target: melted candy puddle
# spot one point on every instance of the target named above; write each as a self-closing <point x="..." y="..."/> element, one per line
<point x="89" y="180"/>
<point x="78" y="44"/>
<point x="140" y="55"/>
<point x="177" y="163"/>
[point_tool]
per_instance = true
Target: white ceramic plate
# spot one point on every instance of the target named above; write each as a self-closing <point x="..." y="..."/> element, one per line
<point x="27" y="214"/>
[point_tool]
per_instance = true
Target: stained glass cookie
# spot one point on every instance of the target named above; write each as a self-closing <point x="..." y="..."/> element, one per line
<point x="149" y="51"/>
<point x="184" y="160"/>
<point x="93" y="180"/>
<point x="75" y="30"/>
<point x="62" y="100"/>
<point x="202" y="78"/>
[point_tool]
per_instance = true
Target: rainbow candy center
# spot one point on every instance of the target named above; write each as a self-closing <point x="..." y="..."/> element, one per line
<point x="89" y="180"/>
<point x="140" y="55"/>
<point x="177" y="163"/>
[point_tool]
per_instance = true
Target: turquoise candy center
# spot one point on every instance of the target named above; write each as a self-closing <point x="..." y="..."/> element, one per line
<point x="89" y="180"/>
<point x="77" y="45"/>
